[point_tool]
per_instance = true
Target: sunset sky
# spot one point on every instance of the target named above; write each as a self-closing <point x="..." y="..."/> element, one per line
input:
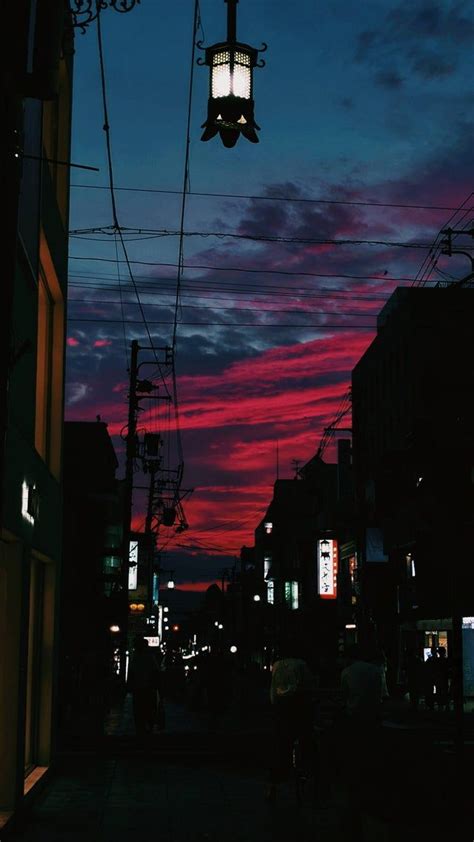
<point x="365" y="109"/>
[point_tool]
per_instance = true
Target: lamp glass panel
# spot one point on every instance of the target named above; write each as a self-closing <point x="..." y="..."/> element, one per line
<point x="242" y="76"/>
<point x="220" y="74"/>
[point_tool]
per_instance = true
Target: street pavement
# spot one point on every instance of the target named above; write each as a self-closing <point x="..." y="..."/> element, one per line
<point x="204" y="780"/>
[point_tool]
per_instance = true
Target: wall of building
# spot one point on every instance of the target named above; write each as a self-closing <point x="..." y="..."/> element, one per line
<point x="30" y="541"/>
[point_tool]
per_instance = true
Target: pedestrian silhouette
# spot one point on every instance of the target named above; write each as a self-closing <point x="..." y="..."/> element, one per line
<point x="442" y="679"/>
<point x="293" y="697"/>
<point x="144" y="685"/>
<point x="431" y="671"/>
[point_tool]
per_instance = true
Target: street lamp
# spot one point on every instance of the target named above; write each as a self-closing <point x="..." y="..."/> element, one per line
<point x="230" y="105"/>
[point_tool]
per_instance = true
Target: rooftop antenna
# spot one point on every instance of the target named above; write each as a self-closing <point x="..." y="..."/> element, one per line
<point x="296" y="465"/>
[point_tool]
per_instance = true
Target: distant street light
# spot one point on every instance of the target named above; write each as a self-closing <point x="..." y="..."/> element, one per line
<point x="256" y="597"/>
<point x="230" y="106"/>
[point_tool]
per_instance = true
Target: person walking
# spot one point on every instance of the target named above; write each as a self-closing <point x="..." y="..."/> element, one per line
<point x="442" y="679"/>
<point x="292" y="697"/>
<point x="362" y="686"/>
<point x="144" y="685"/>
<point x="431" y="672"/>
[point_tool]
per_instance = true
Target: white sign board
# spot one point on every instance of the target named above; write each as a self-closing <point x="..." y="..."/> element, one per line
<point x="133" y="569"/>
<point x="327" y="557"/>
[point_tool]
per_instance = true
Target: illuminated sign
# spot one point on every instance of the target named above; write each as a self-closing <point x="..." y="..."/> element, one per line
<point x="292" y="595"/>
<point x="133" y="566"/>
<point x="29" y="502"/>
<point x="153" y="641"/>
<point x="270" y="591"/>
<point x="327" y="568"/>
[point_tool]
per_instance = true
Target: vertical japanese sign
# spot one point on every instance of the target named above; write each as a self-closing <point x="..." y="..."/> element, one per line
<point x="327" y="557"/>
<point x="133" y="568"/>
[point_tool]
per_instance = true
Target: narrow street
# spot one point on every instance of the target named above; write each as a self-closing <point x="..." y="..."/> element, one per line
<point x="196" y="782"/>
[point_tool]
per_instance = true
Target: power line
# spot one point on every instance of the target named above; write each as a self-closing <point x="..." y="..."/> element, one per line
<point x="196" y="25"/>
<point x="200" y="292"/>
<point x="302" y="200"/>
<point x="230" y="324"/>
<point x="285" y="272"/>
<point x="224" y="235"/>
<point x="185" y="174"/>
<point x="431" y="259"/>
<point x="116" y="226"/>
<point x="236" y="309"/>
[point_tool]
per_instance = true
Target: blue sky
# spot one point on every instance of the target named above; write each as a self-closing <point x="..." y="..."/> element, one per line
<point x="367" y="101"/>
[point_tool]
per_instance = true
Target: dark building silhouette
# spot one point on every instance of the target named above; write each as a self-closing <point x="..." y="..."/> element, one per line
<point x="314" y="507"/>
<point x="91" y="609"/>
<point x="413" y="423"/>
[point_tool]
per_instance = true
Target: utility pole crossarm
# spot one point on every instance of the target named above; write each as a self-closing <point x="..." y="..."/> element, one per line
<point x="449" y="251"/>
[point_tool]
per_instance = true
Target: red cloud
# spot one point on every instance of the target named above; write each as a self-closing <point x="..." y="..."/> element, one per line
<point x="72" y="342"/>
<point x="101" y="343"/>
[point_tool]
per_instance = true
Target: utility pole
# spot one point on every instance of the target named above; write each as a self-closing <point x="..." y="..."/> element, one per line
<point x="449" y="250"/>
<point x="127" y="501"/>
<point x="151" y="540"/>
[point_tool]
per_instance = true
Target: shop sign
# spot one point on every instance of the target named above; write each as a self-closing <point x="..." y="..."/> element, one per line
<point x="133" y="565"/>
<point x="327" y="558"/>
<point x="152" y="641"/>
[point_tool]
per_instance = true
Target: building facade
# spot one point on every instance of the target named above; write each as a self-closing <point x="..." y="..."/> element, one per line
<point x="36" y="136"/>
<point x="413" y="431"/>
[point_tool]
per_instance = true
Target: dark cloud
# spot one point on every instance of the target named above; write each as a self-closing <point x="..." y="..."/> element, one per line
<point x="347" y="102"/>
<point x="431" y="65"/>
<point x="389" y="79"/>
<point x="423" y="39"/>
<point x="366" y="42"/>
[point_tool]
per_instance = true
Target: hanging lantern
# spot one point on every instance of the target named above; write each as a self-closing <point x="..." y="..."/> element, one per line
<point x="230" y="108"/>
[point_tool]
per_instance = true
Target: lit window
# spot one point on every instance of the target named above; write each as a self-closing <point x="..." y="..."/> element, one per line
<point x="270" y="591"/>
<point x="268" y="527"/>
<point x="267" y="563"/>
